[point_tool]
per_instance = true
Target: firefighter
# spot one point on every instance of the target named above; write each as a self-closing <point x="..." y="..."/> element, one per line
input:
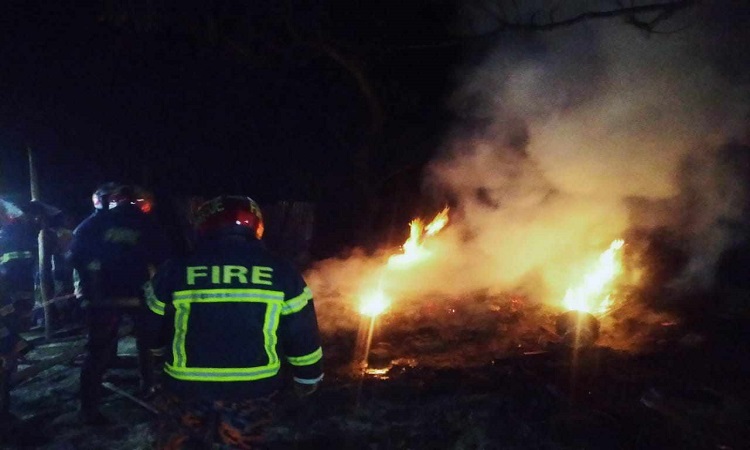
<point x="227" y="315"/>
<point x="18" y="270"/>
<point x="100" y="200"/>
<point x="114" y="253"/>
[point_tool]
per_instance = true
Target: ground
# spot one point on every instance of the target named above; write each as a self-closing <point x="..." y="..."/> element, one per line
<point x="688" y="388"/>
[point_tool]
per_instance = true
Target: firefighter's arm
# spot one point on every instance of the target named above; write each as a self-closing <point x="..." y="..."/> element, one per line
<point x="300" y="340"/>
<point x="157" y="294"/>
<point x="75" y="253"/>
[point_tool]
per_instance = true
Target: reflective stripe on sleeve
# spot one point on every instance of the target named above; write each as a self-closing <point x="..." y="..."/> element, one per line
<point x="306" y="360"/>
<point x="10" y="256"/>
<point x="295" y="304"/>
<point x="308" y="380"/>
<point x="153" y="303"/>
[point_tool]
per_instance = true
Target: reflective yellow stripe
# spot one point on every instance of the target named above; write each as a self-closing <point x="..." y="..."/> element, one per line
<point x="222" y="374"/>
<point x="228" y="295"/>
<point x="183" y="300"/>
<point x="306" y="360"/>
<point x="14" y="255"/>
<point x="270" y="325"/>
<point x="153" y="303"/>
<point x="182" y="312"/>
<point x="295" y="304"/>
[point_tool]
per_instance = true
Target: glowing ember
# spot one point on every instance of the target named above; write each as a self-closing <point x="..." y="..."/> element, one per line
<point x="374" y="303"/>
<point x="413" y="250"/>
<point x="378" y="373"/>
<point x="592" y="294"/>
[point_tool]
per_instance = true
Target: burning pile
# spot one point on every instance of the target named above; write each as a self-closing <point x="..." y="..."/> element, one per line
<point x="443" y="299"/>
<point x="585" y="302"/>
<point x="375" y="302"/>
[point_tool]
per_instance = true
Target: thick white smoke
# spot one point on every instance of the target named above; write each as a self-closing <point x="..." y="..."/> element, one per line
<point x="582" y="119"/>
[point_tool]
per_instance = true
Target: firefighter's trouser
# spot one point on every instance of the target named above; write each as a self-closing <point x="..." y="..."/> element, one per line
<point x="101" y="351"/>
<point x="212" y="424"/>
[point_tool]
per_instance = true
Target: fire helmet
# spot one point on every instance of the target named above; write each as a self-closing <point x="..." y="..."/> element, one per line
<point x="100" y="197"/>
<point x="134" y="195"/>
<point x="229" y="213"/>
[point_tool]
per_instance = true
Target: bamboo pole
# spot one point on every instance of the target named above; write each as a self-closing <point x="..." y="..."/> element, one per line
<point x="41" y="240"/>
<point x="33" y="178"/>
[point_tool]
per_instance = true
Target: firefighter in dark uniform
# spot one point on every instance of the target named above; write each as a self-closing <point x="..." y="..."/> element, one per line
<point x="114" y="253"/>
<point x="100" y="200"/>
<point x="18" y="269"/>
<point x="228" y="314"/>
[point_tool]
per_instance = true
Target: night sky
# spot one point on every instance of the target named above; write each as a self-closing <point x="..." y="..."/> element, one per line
<point x="203" y="98"/>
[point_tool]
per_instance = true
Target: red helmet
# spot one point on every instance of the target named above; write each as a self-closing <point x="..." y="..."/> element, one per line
<point x="227" y="212"/>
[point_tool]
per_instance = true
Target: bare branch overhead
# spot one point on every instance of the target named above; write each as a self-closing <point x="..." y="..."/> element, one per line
<point x="632" y="13"/>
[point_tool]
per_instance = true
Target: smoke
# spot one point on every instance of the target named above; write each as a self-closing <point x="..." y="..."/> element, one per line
<point x="559" y="134"/>
<point x="562" y="129"/>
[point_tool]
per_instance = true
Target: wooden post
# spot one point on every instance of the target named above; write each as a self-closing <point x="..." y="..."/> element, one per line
<point x="41" y="240"/>
<point x="34" y="180"/>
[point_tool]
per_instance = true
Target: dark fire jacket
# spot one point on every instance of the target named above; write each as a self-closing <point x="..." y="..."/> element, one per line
<point x="228" y="314"/>
<point x="112" y="253"/>
<point x="18" y="255"/>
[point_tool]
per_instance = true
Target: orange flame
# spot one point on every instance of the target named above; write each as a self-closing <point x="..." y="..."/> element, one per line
<point x="592" y="295"/>
<point x="375" y="302"/>
<point x="438" y="223"/>
<point x="413" y="250"/>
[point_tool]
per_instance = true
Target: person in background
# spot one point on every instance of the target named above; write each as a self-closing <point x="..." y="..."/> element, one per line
<point x="227" y="315"/>
<point x="114" y="252"/>
<point x="19" y="268"/>
<point x="100" y="200"/>
<point x="65" y="307"/>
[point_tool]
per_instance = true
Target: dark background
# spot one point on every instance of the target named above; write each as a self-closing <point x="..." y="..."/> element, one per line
<point x="332" y="103"/>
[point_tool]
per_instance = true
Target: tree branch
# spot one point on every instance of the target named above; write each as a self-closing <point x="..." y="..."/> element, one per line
<point x="665" y="10"/>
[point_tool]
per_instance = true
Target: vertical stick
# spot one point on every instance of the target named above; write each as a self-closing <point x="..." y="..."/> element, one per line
<point x="41" y="239"/>
<point x="43" y="279"/>
<point x="34" y="180"/>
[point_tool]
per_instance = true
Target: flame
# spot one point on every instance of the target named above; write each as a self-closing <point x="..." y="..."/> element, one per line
<point x="374" y="303"/>
<point x="438" y="223"/>
<point x="413" y="249"/>
<point x="592" y="294"/>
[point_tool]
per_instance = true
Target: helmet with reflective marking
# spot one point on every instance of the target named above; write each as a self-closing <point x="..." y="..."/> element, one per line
<point x="229" y="213"/>
<point x="134" y="195"/>
<point x="100" y="197"/>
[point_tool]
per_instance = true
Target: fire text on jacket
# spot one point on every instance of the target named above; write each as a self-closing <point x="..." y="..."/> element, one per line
<point x="230" y="274"/>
